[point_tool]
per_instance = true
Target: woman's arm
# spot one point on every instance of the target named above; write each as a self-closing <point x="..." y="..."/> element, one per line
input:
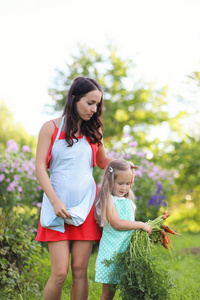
<point x="119" y="224"/>
<point x="44" y="142"/>
<point x="102" y="159"/>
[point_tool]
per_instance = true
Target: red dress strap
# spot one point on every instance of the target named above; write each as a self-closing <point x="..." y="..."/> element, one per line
<point x="94" y="151"/>
<point x="52" y="142"/>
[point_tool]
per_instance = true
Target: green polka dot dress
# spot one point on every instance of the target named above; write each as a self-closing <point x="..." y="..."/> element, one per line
<point x="113" y="241"/>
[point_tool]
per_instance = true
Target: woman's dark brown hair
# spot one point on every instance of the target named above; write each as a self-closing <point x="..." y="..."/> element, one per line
<point x="80" y="87"/>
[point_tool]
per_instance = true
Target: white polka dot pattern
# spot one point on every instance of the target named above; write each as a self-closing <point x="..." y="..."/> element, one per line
<point x="113" y="241"/>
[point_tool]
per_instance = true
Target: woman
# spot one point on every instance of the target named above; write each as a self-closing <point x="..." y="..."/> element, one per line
<point x="70" y="146"/>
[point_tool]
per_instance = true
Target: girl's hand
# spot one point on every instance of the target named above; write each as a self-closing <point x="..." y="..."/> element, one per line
<point x="61" y="210"/>
<point x="147" y="228"/>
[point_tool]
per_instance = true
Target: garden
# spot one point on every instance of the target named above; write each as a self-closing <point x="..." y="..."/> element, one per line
<point x="167" y="178"/>
<point x="25" y="264"/>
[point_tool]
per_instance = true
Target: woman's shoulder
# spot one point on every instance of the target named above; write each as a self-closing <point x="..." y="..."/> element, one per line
<point x="57" y="121"/>
<point x="49" y="126"/>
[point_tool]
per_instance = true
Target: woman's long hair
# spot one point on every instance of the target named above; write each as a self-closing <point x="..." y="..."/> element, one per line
<point x="103" y="203"/>
<point x="80" y="87"/>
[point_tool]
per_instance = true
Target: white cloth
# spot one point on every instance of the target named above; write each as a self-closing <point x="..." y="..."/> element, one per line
<point x="71" y="176"/>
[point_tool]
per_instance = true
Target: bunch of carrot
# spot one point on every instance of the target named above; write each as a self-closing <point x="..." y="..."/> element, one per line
<point x="140" y="272"/>
<point x="160" y="232"/>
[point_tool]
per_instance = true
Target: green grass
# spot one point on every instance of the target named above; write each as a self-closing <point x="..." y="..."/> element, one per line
<point x="185" y="268"/>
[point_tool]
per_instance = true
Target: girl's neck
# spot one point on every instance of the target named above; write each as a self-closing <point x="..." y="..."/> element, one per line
<point x="118" y="196"/>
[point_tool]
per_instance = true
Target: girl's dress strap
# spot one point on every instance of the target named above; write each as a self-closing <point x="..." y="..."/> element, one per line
<point x="60" y="128"/>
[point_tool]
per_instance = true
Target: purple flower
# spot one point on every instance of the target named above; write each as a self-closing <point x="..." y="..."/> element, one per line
<point x="133" y="144"/>
<point x="25" y="167"/>
<point x="11" y="186"/>
<point x="158" y="197"/>
<point x="26" y="148"/>
<point x="19" y="189"/>
<point x="16" y="164"/>
<point x="138" y="173"/>
<point x="2" y="176"/>
<point x="16" y="177"/>
<point x="141" y="154"/>
<point x="12" y="146"/>
<point x="39" y="204"/>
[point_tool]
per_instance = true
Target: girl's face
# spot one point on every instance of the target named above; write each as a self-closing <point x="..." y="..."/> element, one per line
<point x="122" y="183"/>
<point x="87" y="105"/>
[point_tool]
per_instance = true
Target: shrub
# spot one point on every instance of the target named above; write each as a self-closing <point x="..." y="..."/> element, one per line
<point x="19" y="185"/>
<point x="153" y="185"/>
<point x="19" y="256"/>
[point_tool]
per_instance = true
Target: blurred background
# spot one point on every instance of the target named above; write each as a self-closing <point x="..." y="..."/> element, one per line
<point x="146" y="56"/>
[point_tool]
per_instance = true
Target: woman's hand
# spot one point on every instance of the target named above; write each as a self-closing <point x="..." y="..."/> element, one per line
<point x="61" y="210"/>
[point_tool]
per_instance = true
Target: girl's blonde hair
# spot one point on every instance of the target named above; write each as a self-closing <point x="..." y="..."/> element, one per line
<point x="103" y="203"/>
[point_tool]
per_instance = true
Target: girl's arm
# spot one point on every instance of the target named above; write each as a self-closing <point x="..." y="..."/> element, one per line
<point x="119" y="224"/>
<point x="44" y="142"/>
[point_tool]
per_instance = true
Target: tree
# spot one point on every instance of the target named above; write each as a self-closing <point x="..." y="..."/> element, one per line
<point x="127" y="101"/>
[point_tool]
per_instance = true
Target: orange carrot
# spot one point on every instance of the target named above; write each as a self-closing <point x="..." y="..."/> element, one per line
<point x="164" y="239"/>
<point x="167" y="229"/>
<point x="165" y="216"/>
<point x="165" y="245"/>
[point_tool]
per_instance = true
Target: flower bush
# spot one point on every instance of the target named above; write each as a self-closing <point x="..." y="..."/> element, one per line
<point x="19" y="186"/>
<point x="20" y="201"/>
<point x="18" y="183"/>
<point x="19" y="257"/>
<point x="153" y="185"/>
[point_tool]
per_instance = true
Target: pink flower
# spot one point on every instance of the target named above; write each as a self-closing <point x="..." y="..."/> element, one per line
<point x="2" y="176"/>
<point x="12" y="146"/>
<point x="25" y="167"/>
<point x="141" y="154"/>
<point x="26" y="148"/>
<point x="133" y="144"/>
<point x="19" y="189"/>
<point x="138" y="173"/>
<point x="16" y="177"/>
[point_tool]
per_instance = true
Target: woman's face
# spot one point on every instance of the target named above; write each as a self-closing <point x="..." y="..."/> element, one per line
<point x="87" y="105"/>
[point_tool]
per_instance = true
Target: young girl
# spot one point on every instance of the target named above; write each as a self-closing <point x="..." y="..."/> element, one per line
<point x="115" y="213"/>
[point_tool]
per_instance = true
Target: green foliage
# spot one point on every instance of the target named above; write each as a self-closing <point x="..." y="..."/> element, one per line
<point x="19" y="259"/>
<point x="143" y="277"/>
<point x="127" y="101"/>
<point x="185" y="201"/>
<point x="184" y="270"/>
<point x="140" y="273"/>
<point x="19" y="186"/>
<point x="9" y="129"/>
<point x="138" y="108"/>
<point x="153" y="184"/>
<point x="185" y="218"/>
